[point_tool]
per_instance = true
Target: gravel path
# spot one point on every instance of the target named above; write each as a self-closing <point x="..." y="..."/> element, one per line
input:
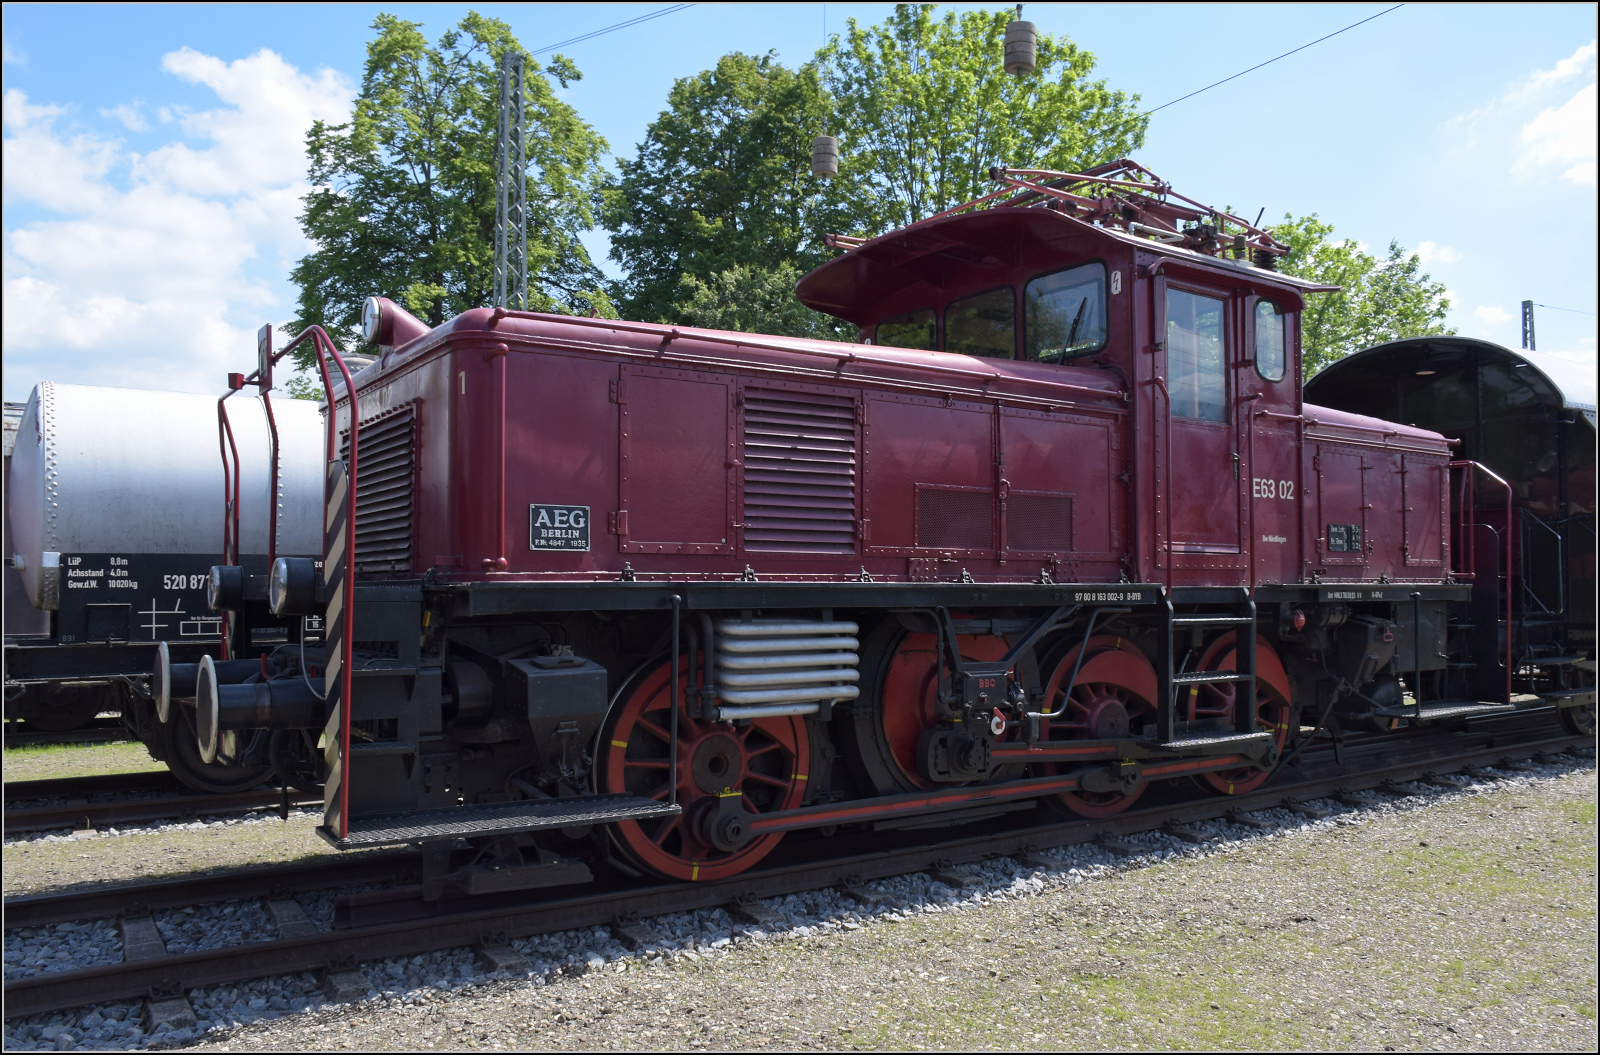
<point x="1459" y="918"/>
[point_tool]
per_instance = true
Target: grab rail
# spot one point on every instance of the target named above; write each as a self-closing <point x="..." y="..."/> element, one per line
<point x="1469" y="466"/>
<point x="342" y="623"/>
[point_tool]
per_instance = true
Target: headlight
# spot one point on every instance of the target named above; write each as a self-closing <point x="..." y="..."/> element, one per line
<point x="292" y="586"/>
<point x="371" y="320"/>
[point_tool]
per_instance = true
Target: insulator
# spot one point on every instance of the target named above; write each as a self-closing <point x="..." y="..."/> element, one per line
<point x="1022" y="49"/>
<point x="824" y="157"/>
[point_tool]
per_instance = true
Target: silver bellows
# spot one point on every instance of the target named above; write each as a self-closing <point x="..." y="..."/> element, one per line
<point x="772" y="667"/>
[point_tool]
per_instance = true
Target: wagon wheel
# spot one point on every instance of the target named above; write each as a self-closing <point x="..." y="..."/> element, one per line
<point x="179" y="748"/>
<point x="882" y="732"/>
<point x="1114" y="697"/>
<point x="766" y="762"/>
<point x="1273" y="711"/>
<point x="1579" y="721"/>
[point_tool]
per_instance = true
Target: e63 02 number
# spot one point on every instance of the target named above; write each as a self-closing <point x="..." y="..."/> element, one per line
<point x="1260" y="488"/>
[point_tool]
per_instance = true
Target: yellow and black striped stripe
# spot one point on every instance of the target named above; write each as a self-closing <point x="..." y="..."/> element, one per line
<point x="333" y="566"/>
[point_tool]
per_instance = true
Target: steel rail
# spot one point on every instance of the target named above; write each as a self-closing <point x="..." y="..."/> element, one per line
<point x="138" y="811"/>
<point x="319" y="873"/>
<point x="101" y="732"/>
<point x="67" y="989"/>
<point x="95" y="784"/>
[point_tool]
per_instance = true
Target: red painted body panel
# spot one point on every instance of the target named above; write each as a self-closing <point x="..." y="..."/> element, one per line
<point x="701" y="454"/>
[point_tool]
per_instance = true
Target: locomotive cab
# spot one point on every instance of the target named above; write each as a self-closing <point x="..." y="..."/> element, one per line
<point x="1206" y="348"/>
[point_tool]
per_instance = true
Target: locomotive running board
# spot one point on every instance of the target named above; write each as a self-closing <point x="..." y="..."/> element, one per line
<point x="495" y="818"/>
<point x="1439" y="710"/>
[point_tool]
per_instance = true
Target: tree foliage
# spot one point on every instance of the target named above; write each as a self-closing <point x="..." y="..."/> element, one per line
<point x="403" y="203"/>
<point x="753" y="299"/>
<point x="925" y="108"/>
<point x="721" y="188"/>
<point x="722" y="181"/>
<point x="1378" y="301"/>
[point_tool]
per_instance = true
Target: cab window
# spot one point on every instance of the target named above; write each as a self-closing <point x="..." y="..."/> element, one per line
<point x="1065" y="313"/>
<point x="983" y="325"/>
<point x="914" y="329"/>
<point x="1272" y="327"/>
<point x="1195" y="365"/>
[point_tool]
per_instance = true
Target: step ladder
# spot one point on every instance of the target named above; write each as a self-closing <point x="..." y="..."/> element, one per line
<point x="1171" y="734"/>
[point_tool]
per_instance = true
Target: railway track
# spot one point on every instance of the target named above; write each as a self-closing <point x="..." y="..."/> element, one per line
<point x="396" y="922"/>
<point x="84" y="807"/>
<point x="101" y="731"/>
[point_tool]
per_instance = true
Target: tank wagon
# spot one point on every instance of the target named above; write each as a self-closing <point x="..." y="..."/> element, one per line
<point x="112" y="529"/>
<point x="1059" y="527"/>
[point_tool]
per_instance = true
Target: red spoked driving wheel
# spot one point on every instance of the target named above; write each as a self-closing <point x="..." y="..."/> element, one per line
<point x="911" y="696"/>
<point x="1218" y="701"/>
<point x="1114" y="697"/>
<point x="764" y="762"/>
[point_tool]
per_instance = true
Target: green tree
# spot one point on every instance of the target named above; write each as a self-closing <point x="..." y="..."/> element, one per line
<point x="403" y="203"/>
<point x="756" y="300"/>
<point x="720" y="195"/>
<point x="304" y="386"/>
<point x="1378" y="300"/>
<point x="925" y="108"/>
<point x="722" y="181"/>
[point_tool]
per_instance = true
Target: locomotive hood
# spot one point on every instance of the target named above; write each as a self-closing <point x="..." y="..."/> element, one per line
<point x="723" y="347"/>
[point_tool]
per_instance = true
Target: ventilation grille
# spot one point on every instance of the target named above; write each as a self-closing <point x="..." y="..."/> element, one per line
<point x="799" y="472"/>
<point x="1039" y="523"/>
<point x="385" y="483"/>
<point x="955" y="519"/>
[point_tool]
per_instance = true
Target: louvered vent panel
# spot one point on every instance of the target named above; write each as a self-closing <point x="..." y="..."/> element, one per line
<point x="385" y="479"/>
<point x="952" y="519"/>
<point x="1039" y="523"/>
<point x="799" y="472"/>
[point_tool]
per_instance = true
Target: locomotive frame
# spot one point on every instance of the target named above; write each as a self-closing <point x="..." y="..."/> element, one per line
<point x="884" y="586"/>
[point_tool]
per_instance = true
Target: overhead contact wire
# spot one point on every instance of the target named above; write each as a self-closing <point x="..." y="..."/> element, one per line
<point x="1269" y="62"/>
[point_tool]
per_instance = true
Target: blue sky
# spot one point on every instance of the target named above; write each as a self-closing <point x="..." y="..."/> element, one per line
<point x="153" y="165"/>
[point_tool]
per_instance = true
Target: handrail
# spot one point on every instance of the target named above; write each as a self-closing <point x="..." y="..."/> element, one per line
<point x="230" y="504"/>
<point x="1469" y="466"/>
<point x="325" y="348"/>
<point x="1164" y="477"/>
<point x="1529" y="593"/>
<point x="272" y="477"/>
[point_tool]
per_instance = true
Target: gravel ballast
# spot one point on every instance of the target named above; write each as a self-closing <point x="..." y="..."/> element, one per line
<point x="1457" y="918"/>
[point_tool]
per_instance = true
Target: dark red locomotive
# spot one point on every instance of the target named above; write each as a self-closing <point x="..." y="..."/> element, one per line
<point x="1061" y="526"/>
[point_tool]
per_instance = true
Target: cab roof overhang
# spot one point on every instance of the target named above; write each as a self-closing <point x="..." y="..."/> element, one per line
<point x="969" y="247"/>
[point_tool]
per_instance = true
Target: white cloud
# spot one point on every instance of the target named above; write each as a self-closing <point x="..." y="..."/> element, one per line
<point x="1541" y="81"/>
<point x="129" y="115"/>
<point x="11" y="56"/>
<point x="1563" y="137"/>
<point x="1434" y="253"/>
<point x="154" y="270"/>
<point x="1491" y="314"/>
<point x="1535" y="121"/>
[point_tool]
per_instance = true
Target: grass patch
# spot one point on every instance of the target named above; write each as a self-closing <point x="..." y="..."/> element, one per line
<point x="53" y="761"/>
<point x="1580" y="812"/>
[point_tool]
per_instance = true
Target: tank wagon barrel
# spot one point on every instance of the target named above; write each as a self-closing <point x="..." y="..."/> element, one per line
<point x="112" y="526"/>
<point x="1062" y="525"/>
